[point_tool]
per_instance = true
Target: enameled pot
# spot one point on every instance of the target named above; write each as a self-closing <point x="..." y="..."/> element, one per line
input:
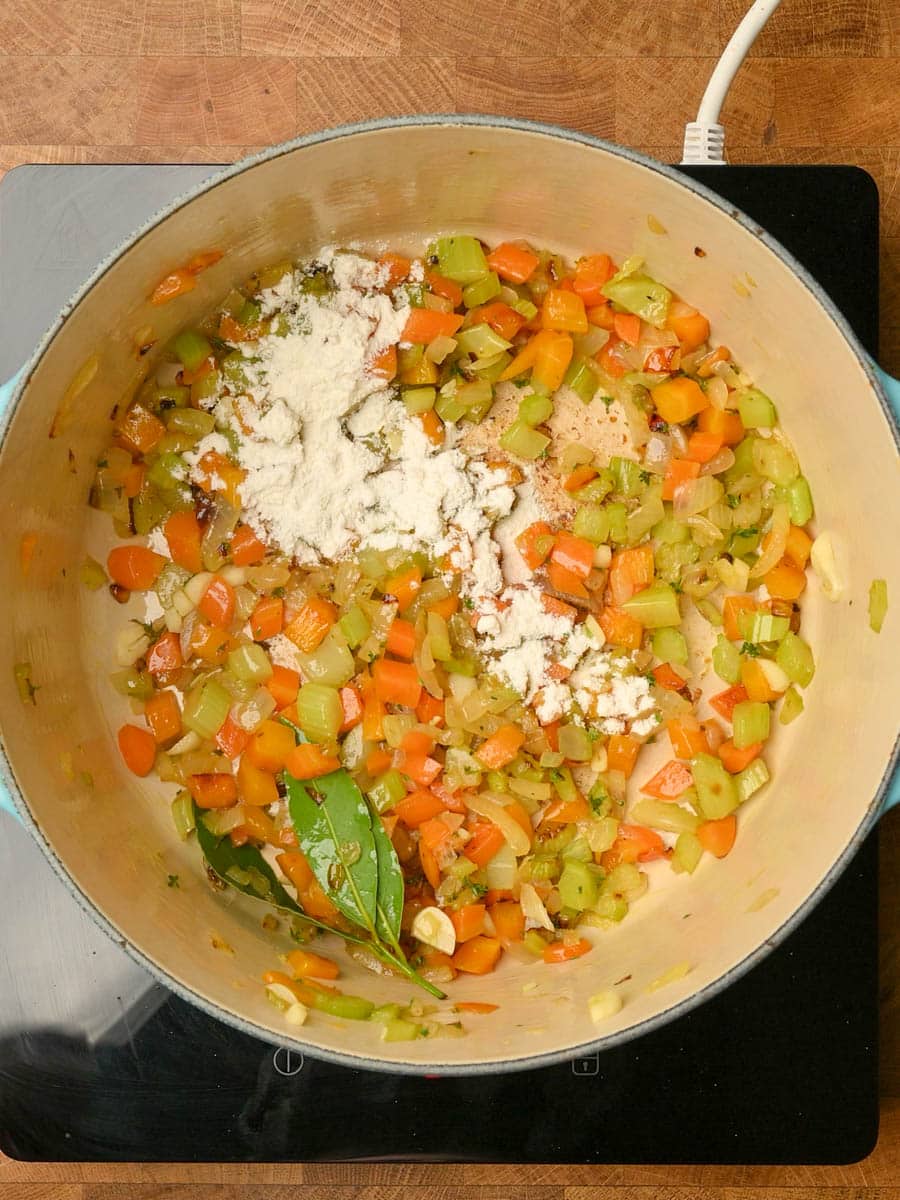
<point x="399" y="182"/>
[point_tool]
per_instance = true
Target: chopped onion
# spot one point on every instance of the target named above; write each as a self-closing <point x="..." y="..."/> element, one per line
<point x="696" y="495"/>
<point x="190" y="741"/>
<point x="167" y="373"/>
<point x="657" y="453"/>
<point x="679" y="440"/>
<point x="131" y="644"/>
<point x="723" y="461"/>
<point x="574" y="455"/>
<point x="775" y="677"/>
<point x="501" y="870"/>
<point x="195" y="588"/>
<point x="186" y="634"/>
<point x="776" y="541"/>
<point x="717" y="391"/>
<point x="824" y="563"/>
<point x="536" y="916"/>
<point x="490" y="806"/>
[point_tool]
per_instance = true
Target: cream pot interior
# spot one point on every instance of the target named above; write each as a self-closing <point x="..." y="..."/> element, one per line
<point x="112" y="834"/>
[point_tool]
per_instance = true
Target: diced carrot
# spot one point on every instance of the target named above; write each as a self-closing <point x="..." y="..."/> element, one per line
<point x="634" y="843"/>
<point x="416" y="808"/>
<point x="703" y="447"/>
<point x="687" y="737"/>
<point x="173" y="285"/>
<point x="430" y="710"/>
<point x="478" y="956"/>
<point x="561" y="579"/>
<point x="574" y="554"/>
<point x="785" y="581"/>
<point x="504" y="321"/>
<point x="423" y="325"/>
<point x="513" y="263"/>
<point x="475" y="1006"/>
<point x="232" y="331"/>
<point x="732" y="607"/>
<point x="667" y="677"/>
<point x="284" y="684"/>
<point x="384" y="364"/>
<point x="218" y="474"/>
<point x="526" y="357"/>
<point x="501" y="747"/>
<point x="256" y="786"/>
<point x="218" y="602"/>
<point x="484" y="843"/>
<point x="669" y="782"/>
<point x="445" y="608"/>
<point x="436" y="836"/>
<point x="316" y="904"/>
<point x="396" y="682"/>
<point x="591" y="274"/>
<point x="601" y="315"/>
<point x="630" y="571"/>
<point x="199" y="372"/>
<point x="134" y="480"/>
<point x="720" y="354"/>
<point x="621" y="753"/>
<point x="420" y="768"/>
<point x="561" y="951"/>
<point x="468" y="921"/>
<point x="563" y="312"/>
<point x="134" y="567"/>
<point x="509" y="921"/>
<point x="163" y="714"/>
<point x="727" y="424"/>
<point x="311" y="623"/>
<point x="351" y="707"/>
<point x="267" y="618"/>
<point x="690" y="327"/>
<point x="679" y="471"/>
<point x="378" y="761"/>
<point x="140" y="430"/>
<point x="294" y="864"/>
<point x="627" y="327"/>
<point x="373" y="710"/>
<point x="308" y="761"/>
<point x="553" y="356"/>
<point x="404" y="587"/>
<point x="138" y="749"/>
<point x="246" y="548"/>
<point x="430" y="868"/>
<point x="798" y="547"/>
<point x="401" y="638"/>
<point x="718" y="837"/>
<point x="232" y="738"/>
<point x="304" y="963"/>
<point x="213" y="791"/>
<point x="397" y="268"/>
<point x="519" y="814"/>
<point x="678" y="399"/>
<point x="725" y="702"/>
<point x="432" y="426"/>
<point x="567" y="812"/>
<point x="183" y="536"/>
<point x="756" y="682"/>
<point x="269" y="746"/>
<point x="165" y="655"/>
<point x="579" y="477"/>
<point x="558" y="608"/>
<point x="735" y="760"/>
<point x="535" y="544"/>
<point x="416" y="742"/>
<point x="203" y="260"/>
<point x="448" y="288"/>
<point x="621" y="628"/>
<point x="663" y="360"/>
<point x="209" y="643"/>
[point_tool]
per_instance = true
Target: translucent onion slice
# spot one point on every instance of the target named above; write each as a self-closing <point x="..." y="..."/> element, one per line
<point x="487" y="805"/>
<point x="776" y="542"/>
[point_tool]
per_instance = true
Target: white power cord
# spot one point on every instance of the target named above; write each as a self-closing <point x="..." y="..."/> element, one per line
<point x="704" y="139"/>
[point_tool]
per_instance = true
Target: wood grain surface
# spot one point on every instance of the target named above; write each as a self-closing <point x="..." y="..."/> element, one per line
<point x="210" y="80"/>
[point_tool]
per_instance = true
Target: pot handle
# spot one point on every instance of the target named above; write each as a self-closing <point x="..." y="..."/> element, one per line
<point x="6" y="391"/>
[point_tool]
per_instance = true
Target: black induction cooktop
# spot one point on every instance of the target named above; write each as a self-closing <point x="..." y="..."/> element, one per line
<point x="781" y="1067"/>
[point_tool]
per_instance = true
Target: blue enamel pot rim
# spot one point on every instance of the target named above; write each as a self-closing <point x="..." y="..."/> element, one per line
<point x="882" y="387"/>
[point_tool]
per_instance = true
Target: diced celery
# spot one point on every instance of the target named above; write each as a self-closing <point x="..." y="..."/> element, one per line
<point x="800" y="501"/>
<point x="591" y="522"/>
<point x="534" y="943"/>
<point x="524" y="442"/>
<point x="751" y="779"/>
<point x="878" y="606"/>
<point x="481" y="340"/>
<point x="791" y="706"/>
<point x="598" y="489"/>
<point x="762" y="627"/>
<point x="490" y="369"/>
<point x="750" y="722"/>
<point x="460" y="258"/>
<point x="744" y="541"/>
<point x="708" y="611"/>
<point x="396" y="726"/>
<point x="658" y="814"/>
<point x="670" y="645"/>
<point x="618" y="525"/>
<point x="192" y="348"/>
<point x="726" y="660"/>
<point x="250" y="663"/>
<point x="525" y="308"/>
<point x="91" y="574"/>
<point x="535" y="410"/>
<point x="578" y="886"/>
<point x="641" y="295"/>
<point x="482" y="290"/>
<point x="439" y="637"/>
<point x="578" y="850"/>
<point x="581" y="379"/>
<point x="461" y="666"/>
<point x="148" y="509"/>
<point x="189" y="421"/>
<point x="497" y="781"/>
<point x="565" y="785"/>
<point x="205" y="708"/>
<point x="756" y="409"/>
<point x="387" y="790"/>
<point x="448" y="408"/>
<point x="648" y="513"/>
<point x="233" y="370"/>
<point x="574" y="743"/>
<point x="688" y="852"/>
<point x="716" y="791"/>
<point x="354" y="1008"/>
<point x="136" y="685"/>
<point x="172" y="395"/>
<point x="332" y="663"/>
<point x="626" y="476"/>
<point x="655" y="607"/>
<point x="319" y="712"/>
<point x="398" y="1029"/>
<point x="419" y="399"/>
<point x="795" y="658"/>
<point x="672" y="559"/>
<point x="611" y="907"/>
<point x="183" y="814"/>
<point x="671" y="531"/>
<point x="168" y="471"/>
<point x="775" y="461"/>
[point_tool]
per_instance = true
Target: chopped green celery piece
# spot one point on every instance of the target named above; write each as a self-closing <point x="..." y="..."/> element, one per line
<point x="659" y="814"/>
<point x="410" y="293"/>
<point x="387" y="790"/>
<point x="136" y="685"/>
<point x="598" y="489"/>
<point x="191" y="348"/>
<point x="578" y="850"/>
<point x="744" y="541"/>
<point x="419" y="399"/>
<point x="726" y="660"/>
<point x="641" y="295"/>
<point x="775" y="461"/>
<point x="626" y="476"/>
<point x="878" y="606"/>
<point x="354" y="1008"/>
<point x="550" y="758"/>
<point x="233" y="368"/>
<point x="756" y="409"/>
<point x="648" y="513"/>
<point x="800" y="501"/>
<point x="475" y="394"/>
<point x="439" y="637"/>
<point x="655" y="606"/>
<point x="717" y="794"/>
<point x="562" y="780"/>
<point x="398" y="1029"/>
<point x="168" y="471"/>
<point x="172" y="395"/>
<point x="525" y="308"/>
<point x="385" y="1012"/>
<point x="461" y="666"/>
<point x="492" y="368"/>
<point x="575" y="743"/>
<point x="581" y="379"/>
<point x="750" y="723"/>
<point x="481" y="290"/>
<point x="535" y="410"/>
<point x="183" y="814"/>
<point x="250" y="663"/>
<point x="762" y="627"/>
<point x="250" y="313"/>
<point x="148" y="509"/>
<point x="206" y="708"/>
<point x="497" y="781"/>
<point x="791" y="706"/>
<point x="189" y="421"/>
<point x="92" y="574"/>
<point x="795" y="658"/>
<point x="534" y="943"/>
<point x="316" y="283"/>
<point x="708" y="611"/>
<point x="409" y="357"/>
<point x="751" y="779"/>
<point x="460" y="258"/>
<point x="670" y="531"/>
<point x="481" y="340"/>
<point x="448" y="408"/>
<point x="578" y="886"/>
<point x="687" y="854"/>
<point x="524" y="442"/>
<point x="172" y="443"/>
<point x="670" y="645"/>
<point x="611" y="907"/>
<point x="319" y="711"/>
<point x="170" y="580"/>
<point x="671" y="560"/>
<point x="591" y="522"/>
<point x="618" y="523"/>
